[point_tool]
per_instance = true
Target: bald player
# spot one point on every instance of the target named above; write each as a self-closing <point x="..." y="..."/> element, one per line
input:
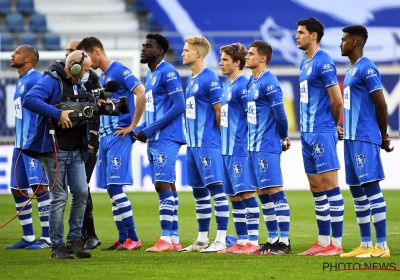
<point x="28" y="173"/>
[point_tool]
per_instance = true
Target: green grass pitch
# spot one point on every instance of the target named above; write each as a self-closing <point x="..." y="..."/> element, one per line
<point x="24" y="264"/>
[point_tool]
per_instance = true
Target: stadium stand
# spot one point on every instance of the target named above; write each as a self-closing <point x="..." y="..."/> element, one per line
<point x="106" y="19"/>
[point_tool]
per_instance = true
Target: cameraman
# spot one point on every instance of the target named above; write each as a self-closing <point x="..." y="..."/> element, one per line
<point x="114" y="169"/>
<point x="56" y="85"/>
<point x="88" y="230"/>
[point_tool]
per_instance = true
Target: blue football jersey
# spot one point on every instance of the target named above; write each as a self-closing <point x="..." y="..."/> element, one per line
<point x="25" y="120"/>
<point x="262" y="94"/>
<point x="116" y="71"/>
<point x="316" y="76"/>
<point x="202" y="92"/>
<point x="360" y="121"/>
<point x="234" y="118"/>
<point x="160" y="84"/>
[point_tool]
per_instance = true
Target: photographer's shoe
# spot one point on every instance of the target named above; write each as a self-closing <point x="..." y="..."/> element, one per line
<point x="76" y="247"/>
<point x="60" y="252"/>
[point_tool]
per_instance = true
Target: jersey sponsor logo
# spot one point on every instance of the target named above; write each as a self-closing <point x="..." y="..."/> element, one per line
<point x="244" y="92"/>
<point x="371" y="73"/>
<point x="18" y="108"/>
<point x="224" y="115"/>
<point x="214" y="84"/>
<point x="318" y="149"/>
<point x="304" y="91"/>
<point x="270" y="87"/>
<point x="191" y="108"/>
<point x="126" y="72"/>
<point x="263" y="162"/>
<point x="32" y="163"/>
<point x="360" y="159"/>
<point x="237" y="168"/>
<point x="346" y="98"/>
<point x="326" y="66"/>
<point x="195" y="88"/>
<point x="206" y="161"/>
<point x="171" y="74"/>
<point x="149" y="101"/>
<point x="161" y="159"/>
<point x="252" y="112"/>
<point x="115" y="162"/>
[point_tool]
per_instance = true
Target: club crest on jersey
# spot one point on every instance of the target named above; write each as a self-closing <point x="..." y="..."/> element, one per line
<point x="263" y="164"/>
<point x="256" y="94"/>
<point x="161" y="159"/>
<point x="22" y="89"/>
<point x="353" y="71"/>
<point x="153" y="81"/>
<point x="116" y="162"/>
<point x="237" y="168"/>
<point x="318" y="149"/>
<point x="195" y="88"/>
<point x="309" y="71"/>
<point x="206" y="161"/>
<point x="229" y="96"/>
<point x="360" y="159"/>
<point x="32" y="163"/>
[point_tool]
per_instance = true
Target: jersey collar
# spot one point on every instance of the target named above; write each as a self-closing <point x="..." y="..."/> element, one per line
<point x="161" y="62"/>
<point x="234" y="81"/>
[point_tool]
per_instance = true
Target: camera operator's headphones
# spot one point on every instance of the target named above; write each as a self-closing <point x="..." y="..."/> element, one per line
<point x="76" y="67"/>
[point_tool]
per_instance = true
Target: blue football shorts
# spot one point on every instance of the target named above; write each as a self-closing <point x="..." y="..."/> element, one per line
<point x="319" y="152"/>
<point x="204" y="166"/>
<point x="237" y="175"/>
<point x="265" y="170"/>
<point x="162" y="155"/>
<point x="362" y="162"/>
<point x="29" y="171"/>
<point x="114" y="161"/>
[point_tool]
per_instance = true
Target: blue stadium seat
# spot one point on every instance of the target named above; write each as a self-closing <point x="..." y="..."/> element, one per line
<point x="26" y="7"/>
<point x="38" y="23"/>
<point x="15" y="23"/>
<point x="28" y="38"/>
<point x="139" y="7"/>
<point x="7" y="43"/>
<point x="151" y="23"/>
<point x="51" y="42"/>
<point x="5" y="7"/>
